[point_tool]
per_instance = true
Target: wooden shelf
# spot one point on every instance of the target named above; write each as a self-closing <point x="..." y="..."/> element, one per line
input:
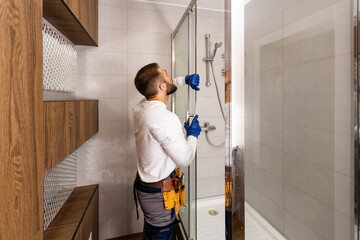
<point x="68" y="124"/>
<point x="76" y="19"/>
<point x="78" y="217"/>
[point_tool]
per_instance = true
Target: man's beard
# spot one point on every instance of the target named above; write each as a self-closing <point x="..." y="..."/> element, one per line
<point x="170" y="88"/>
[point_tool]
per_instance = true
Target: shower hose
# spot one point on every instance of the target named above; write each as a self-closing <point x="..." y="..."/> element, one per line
<point x="221" y="145"/>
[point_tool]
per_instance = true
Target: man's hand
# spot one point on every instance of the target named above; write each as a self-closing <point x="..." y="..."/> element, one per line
<point x="193" y="81"/>
<point x="194" y="129"/>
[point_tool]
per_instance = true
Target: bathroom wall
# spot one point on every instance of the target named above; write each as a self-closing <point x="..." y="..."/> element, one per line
<point x="131" y="34"/>
<point x="298" y="116"/>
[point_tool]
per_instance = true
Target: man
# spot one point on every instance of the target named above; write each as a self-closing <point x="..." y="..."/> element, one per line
<point x="161" y="146"/>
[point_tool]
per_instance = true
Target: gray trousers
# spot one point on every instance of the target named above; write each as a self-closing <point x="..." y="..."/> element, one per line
<point x="152" y="204"/>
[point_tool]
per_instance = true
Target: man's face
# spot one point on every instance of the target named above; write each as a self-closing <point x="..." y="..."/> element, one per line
<point x="170" y="86"/>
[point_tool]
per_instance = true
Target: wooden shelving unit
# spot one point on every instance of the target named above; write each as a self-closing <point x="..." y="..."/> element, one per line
<point x="79" y="216"/>
<point x="76" y="19"/>
<point x="68" y="124"/>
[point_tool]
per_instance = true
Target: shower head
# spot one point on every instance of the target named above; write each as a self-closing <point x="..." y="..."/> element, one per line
<point x="217" y="45"/>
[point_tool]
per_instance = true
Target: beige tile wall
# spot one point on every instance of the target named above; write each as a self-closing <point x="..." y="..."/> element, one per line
<point x="298" y="116"/>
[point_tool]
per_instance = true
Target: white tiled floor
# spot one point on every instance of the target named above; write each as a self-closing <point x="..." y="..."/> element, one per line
<point x="213" y="227"/>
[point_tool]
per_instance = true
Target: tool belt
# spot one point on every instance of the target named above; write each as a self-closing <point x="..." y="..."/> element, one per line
<point x="174" y="192"/>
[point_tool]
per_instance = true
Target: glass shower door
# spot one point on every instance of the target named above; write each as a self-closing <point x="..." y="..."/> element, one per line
<point x="184" y="105"/>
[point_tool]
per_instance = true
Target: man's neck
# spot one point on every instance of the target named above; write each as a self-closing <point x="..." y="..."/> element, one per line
<point x="160" y="98"/>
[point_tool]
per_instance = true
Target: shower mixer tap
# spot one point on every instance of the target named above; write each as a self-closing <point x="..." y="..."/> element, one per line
<point x="207" y="127"/>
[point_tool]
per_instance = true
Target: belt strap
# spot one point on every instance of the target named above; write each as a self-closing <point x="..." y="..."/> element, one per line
<point x="135" y="197"/>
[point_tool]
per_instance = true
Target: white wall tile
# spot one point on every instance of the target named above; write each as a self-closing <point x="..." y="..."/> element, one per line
<point x="109" y="180"/>
<point x="110" y="40"/>
<point x="209" y="187"/>
<point x="344" y="196"/>
<point x="113" y="225"/>
<point x="117" y="3"/>
<point x="152" y="21"/>
<point x="344" y="83"/>
<point x="343" y="114"/>
<point x="210" y="167"/>
<point x="111" y="203"/>
<point x="112" y="17"/>
<point x="343" y="34"/>
<point x="110" y="133"/>
<point x="149" y="43"/>
<point x="101" y="63"/>
<point x="113" y="110"/>
<point x="295" y="229"/>
<point x="101" y="86"/>
<point x="137" y="61"/>
<point x="315" y="77"/>
<point x="344" y="227"/>
<point x="205" y="150"/>
<point x="101" y="157"/>
<point x="344" y="149"/>
<point x="316" y="215"/>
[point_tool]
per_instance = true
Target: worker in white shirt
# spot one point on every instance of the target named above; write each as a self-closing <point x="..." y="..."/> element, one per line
<point x="161" y="146"/>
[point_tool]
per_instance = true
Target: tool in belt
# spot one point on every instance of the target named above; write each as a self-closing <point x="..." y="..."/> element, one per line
<point x="173" y="191"/>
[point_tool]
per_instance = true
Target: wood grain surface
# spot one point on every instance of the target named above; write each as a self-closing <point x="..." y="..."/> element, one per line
<point x="68" y="124"/>
<point x="21" y="120"/>
<point x="76" y="19"/>
<point x="78" y="217"/>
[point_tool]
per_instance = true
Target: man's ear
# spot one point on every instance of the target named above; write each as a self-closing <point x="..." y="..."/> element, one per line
<point x="162" y="86"/>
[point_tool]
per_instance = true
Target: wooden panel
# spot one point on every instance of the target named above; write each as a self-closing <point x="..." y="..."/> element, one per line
<point x="54" y="133"/>
<point x="94" y="117"/>
<point x="58" y="13"/>
<point x="84" y="121"/>
<point x="68" y="124"/>
<point x="78" y="217"/>
<point x="21" y="120"/>
<point x="88" y="17"/>
<point x="71" y="127"/>
<point x="74" y="6"/>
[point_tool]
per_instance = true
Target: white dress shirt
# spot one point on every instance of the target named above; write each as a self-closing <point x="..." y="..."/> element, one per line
<point x="160" y="141"/>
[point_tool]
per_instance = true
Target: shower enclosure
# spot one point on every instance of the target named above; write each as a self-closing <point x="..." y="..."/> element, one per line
<point x="204" y="216"/>
<point x="184" y="105"/>
<point x="299" y="116"/>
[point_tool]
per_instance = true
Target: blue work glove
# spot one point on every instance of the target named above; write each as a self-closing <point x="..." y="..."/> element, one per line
<point x="194" y="129"/>
<point x="193" y="81"/>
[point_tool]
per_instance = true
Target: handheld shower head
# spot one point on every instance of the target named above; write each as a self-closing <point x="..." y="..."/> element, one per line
<point x="217" y="45"/>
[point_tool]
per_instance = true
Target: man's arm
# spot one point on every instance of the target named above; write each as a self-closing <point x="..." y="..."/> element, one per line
<point x="172" y="140"/>
<point x="192" y="80"/>
<point x="179" y="81"/>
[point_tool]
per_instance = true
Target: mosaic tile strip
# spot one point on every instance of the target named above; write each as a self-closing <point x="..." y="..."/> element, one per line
<point x="58" y="185"/>
<point x="59" y="61"/>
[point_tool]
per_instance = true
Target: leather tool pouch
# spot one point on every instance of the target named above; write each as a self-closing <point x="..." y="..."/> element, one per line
<point x="168" y="194"/>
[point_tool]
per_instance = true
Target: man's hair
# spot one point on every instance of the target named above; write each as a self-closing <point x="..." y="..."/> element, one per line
<point x="147" y="78"/>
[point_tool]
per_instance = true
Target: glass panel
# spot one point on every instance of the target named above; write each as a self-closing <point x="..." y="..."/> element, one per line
<point x="184" y="56"/>
<point x="299" y="130"/>
<point x="356" y="106"/>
